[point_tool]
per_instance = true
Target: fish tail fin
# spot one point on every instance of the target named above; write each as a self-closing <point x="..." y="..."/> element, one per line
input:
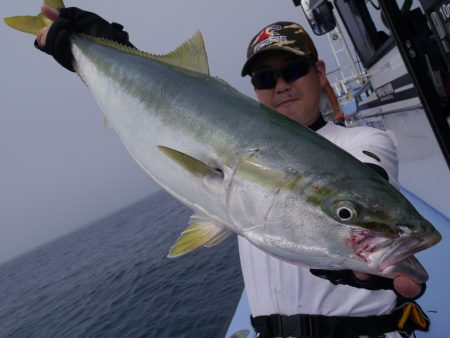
<point x="33" y="24"/>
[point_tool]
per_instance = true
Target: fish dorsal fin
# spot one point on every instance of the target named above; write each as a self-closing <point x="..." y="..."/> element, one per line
<point x="191" y="164"/>
<point x="191" y="55"/>
<point x="200" y="232"/>
<point x="33" y="24"/>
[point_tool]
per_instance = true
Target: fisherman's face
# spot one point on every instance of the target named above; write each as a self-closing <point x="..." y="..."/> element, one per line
<point x="298" y="99"/>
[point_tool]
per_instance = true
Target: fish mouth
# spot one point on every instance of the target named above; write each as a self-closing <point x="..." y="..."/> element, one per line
<point x="409" y="245"/>
<point x="384" y="250"/>
<point x="400" y="252"/>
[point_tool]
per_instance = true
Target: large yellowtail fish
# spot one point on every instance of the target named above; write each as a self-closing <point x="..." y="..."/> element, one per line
<point x="242" y="167"/>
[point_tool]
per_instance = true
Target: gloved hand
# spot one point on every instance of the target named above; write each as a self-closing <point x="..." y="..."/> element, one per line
<point x="347" y="277"/>
<point x="75" y="20"/>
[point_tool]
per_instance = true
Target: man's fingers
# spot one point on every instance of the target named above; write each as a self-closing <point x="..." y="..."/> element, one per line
<point x="364" y="277"/>
<point x="50" y="13"/>
<point x="407" y="287"/>
<point x="402" y="284"/>
<point x="53" y="15"/>
<point x="42" y="36"/>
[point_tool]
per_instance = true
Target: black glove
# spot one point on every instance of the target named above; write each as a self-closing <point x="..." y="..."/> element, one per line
<point x="347" y="277"/>
<point x="75" y="20"/>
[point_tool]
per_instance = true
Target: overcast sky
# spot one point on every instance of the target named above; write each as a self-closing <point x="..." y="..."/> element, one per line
<point x="59" y="168"/>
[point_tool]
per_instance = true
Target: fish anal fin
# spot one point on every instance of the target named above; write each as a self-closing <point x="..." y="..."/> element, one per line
<point x="200" y="232"/>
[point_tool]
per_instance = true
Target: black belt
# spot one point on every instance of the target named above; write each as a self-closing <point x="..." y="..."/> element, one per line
<point x="319" y="326"/>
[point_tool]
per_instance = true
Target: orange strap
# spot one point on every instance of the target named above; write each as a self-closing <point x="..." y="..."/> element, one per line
<point x="338" y="115"/>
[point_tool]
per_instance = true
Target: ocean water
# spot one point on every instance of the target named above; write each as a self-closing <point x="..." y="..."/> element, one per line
<point x="112" y="279"/>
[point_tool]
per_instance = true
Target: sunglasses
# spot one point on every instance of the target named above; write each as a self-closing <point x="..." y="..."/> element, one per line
<point x="267" y="79"/>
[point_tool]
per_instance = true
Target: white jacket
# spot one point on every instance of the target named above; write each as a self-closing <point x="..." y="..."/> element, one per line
<point x="274" y="286"/>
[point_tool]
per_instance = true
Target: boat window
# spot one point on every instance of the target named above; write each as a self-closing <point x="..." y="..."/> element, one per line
<point x="319" y="14"/>
<point x="383" y="33"/>
<point x="367" y="26"/>
<point x="360" y="26"/>
<point x="407" y="5"/>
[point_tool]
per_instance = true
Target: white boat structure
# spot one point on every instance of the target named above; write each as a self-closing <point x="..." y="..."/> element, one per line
<point x="399" y="81"/>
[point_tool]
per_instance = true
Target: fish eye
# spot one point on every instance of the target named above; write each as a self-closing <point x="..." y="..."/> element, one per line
<point x="345" y="211"/>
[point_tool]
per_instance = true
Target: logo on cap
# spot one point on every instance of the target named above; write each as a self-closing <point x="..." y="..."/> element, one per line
<point x="267" y="36"/>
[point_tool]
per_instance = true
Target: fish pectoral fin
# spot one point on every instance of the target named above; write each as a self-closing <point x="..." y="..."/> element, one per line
<point x="191" y="164"/>
<point x="200" y="232"/>
<point x="222" y="235"/>
<point x="33" y="24"/>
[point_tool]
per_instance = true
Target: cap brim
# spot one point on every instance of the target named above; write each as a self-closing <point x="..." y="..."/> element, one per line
<point x="249" y="63"/>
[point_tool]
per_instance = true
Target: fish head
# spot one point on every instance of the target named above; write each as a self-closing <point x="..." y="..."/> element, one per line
<point x="360" y="223"/>
<point x="384" y="229"/>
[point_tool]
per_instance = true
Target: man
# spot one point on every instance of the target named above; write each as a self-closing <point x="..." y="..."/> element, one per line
<point x="286" y="299"/>
<point x="288" y="77"/>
